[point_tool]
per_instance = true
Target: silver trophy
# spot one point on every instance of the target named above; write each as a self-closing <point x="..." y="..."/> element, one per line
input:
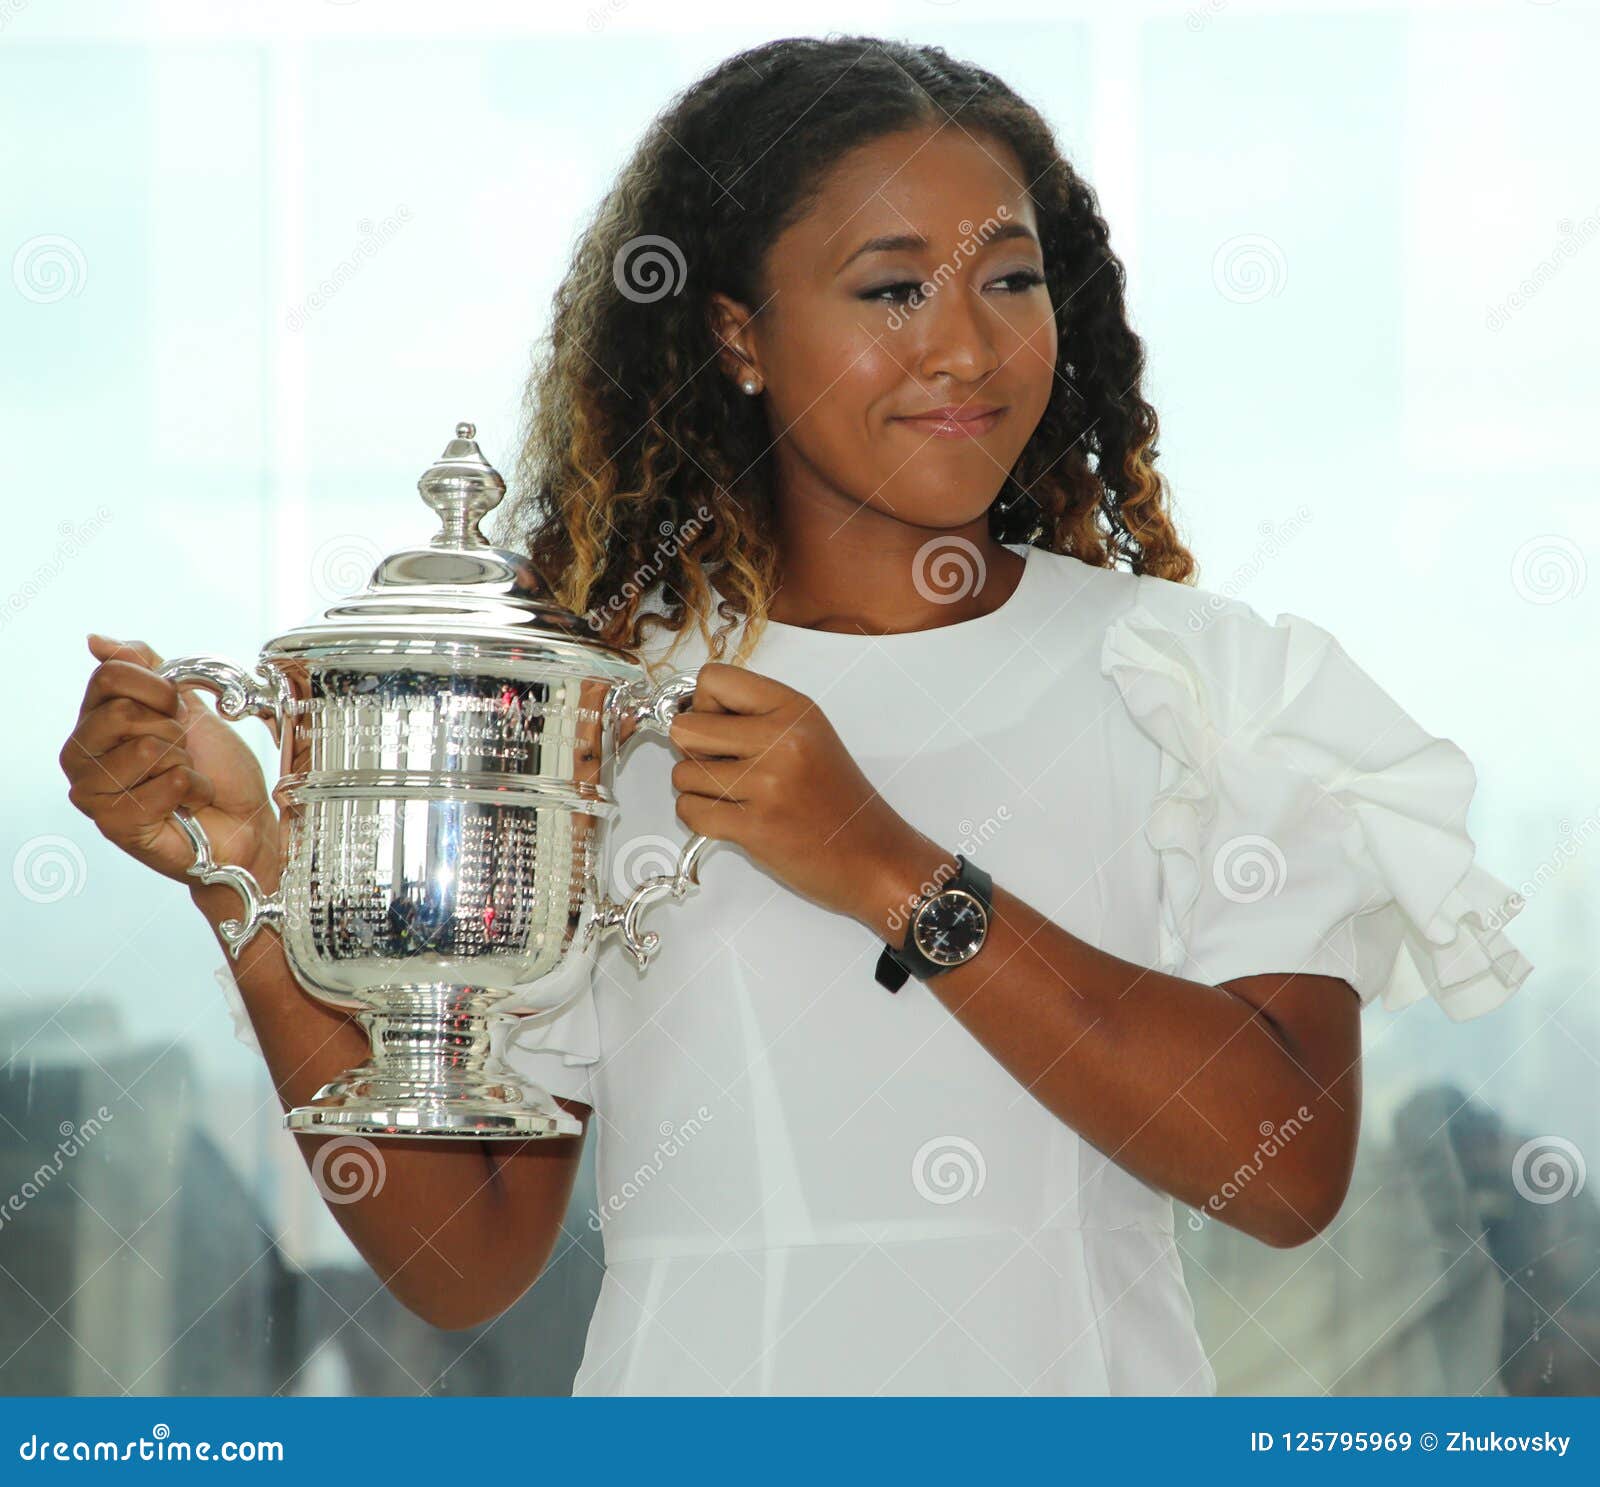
<point x="448" y="736"/>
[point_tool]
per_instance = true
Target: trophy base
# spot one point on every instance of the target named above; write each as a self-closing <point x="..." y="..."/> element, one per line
<point x="454" y="1088"/>
<point x="366" y="1102"/>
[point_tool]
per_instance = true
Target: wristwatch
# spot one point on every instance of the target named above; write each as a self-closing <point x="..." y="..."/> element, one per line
<point x="947" y="929"/>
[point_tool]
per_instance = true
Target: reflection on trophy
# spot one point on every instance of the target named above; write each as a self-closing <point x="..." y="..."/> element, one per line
<point x="449" y="738"/>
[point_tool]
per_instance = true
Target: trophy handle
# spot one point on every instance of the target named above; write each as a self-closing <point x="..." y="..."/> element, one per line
<point x="652" y="710"/>
<point x="239" y="694"/>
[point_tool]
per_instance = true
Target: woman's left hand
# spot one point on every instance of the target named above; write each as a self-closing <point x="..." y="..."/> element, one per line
<point x="765" y="770"/>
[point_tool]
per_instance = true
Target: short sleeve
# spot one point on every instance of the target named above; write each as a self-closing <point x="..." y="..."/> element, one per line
<point x="243" y="1029"/>
<point x="1303" y="821"/>
<point x="554" y="1049"/>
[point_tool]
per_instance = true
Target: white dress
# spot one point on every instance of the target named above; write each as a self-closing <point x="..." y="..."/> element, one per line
<point x="809" y="1185"/>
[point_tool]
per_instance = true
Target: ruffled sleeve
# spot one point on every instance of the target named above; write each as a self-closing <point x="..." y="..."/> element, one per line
<point x="233" y="999"/>
<point x="1303" y="821"/>
<point x="554" y="1049"/>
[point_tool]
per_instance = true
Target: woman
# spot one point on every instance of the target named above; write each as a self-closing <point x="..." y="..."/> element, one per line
<point x="1047" y="887"/>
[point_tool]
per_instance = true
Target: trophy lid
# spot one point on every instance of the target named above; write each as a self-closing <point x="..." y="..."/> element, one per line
<point x="458" y="590"/>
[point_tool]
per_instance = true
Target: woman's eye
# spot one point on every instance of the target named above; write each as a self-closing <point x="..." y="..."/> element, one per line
<point x="898" y="294"/>
<point x="902" y="292"/>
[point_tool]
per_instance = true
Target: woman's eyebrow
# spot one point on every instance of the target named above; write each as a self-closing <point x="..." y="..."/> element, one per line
<point x="914" y="242"/>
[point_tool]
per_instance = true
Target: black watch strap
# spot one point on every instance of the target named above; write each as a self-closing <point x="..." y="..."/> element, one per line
<point x="896" y="964"/>
<point x="890" y="972"/>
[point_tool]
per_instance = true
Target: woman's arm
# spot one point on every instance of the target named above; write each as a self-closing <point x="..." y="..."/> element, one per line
<point x="1242" y="1099"/>
<point x="458" y="1229"/>
<point x="1186" y="1085"/>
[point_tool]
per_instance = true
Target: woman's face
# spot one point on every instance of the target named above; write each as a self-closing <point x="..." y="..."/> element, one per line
<point x="915" y="282"/>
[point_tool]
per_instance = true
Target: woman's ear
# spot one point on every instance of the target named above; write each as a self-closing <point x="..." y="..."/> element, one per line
<point x="731" y="329"/>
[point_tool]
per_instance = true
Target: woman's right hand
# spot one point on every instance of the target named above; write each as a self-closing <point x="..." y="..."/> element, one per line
<point x="142" y="747"/>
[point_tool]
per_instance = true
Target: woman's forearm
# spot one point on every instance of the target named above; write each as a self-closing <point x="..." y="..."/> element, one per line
<point x="456" y="1231"/>
<point x="304" y="1043"/>
<point x="1185" y="1085"/>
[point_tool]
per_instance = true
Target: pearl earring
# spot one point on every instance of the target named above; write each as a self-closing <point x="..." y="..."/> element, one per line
<point x="749" y="385"/>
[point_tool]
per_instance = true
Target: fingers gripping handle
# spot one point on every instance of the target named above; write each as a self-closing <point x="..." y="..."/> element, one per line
<point x="239" y="694"/>
<point x="652" y="710"/>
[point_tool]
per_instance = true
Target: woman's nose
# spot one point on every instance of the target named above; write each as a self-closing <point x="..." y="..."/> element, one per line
<point x="957" y="340"/>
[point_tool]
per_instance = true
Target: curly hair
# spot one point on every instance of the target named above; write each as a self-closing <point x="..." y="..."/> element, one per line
<point x="638" y="459"/>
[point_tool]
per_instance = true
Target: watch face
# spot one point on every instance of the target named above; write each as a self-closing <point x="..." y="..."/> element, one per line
<point x="950" y="927"/>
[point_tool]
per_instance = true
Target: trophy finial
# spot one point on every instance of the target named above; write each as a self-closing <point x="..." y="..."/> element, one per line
<point x="463" y="487"/>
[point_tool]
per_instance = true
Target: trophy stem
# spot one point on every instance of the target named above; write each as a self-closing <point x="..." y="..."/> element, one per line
<point x="432" y="1073"/>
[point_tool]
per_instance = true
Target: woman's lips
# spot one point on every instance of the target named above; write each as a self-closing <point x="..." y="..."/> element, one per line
<point x="955" y="428"/>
